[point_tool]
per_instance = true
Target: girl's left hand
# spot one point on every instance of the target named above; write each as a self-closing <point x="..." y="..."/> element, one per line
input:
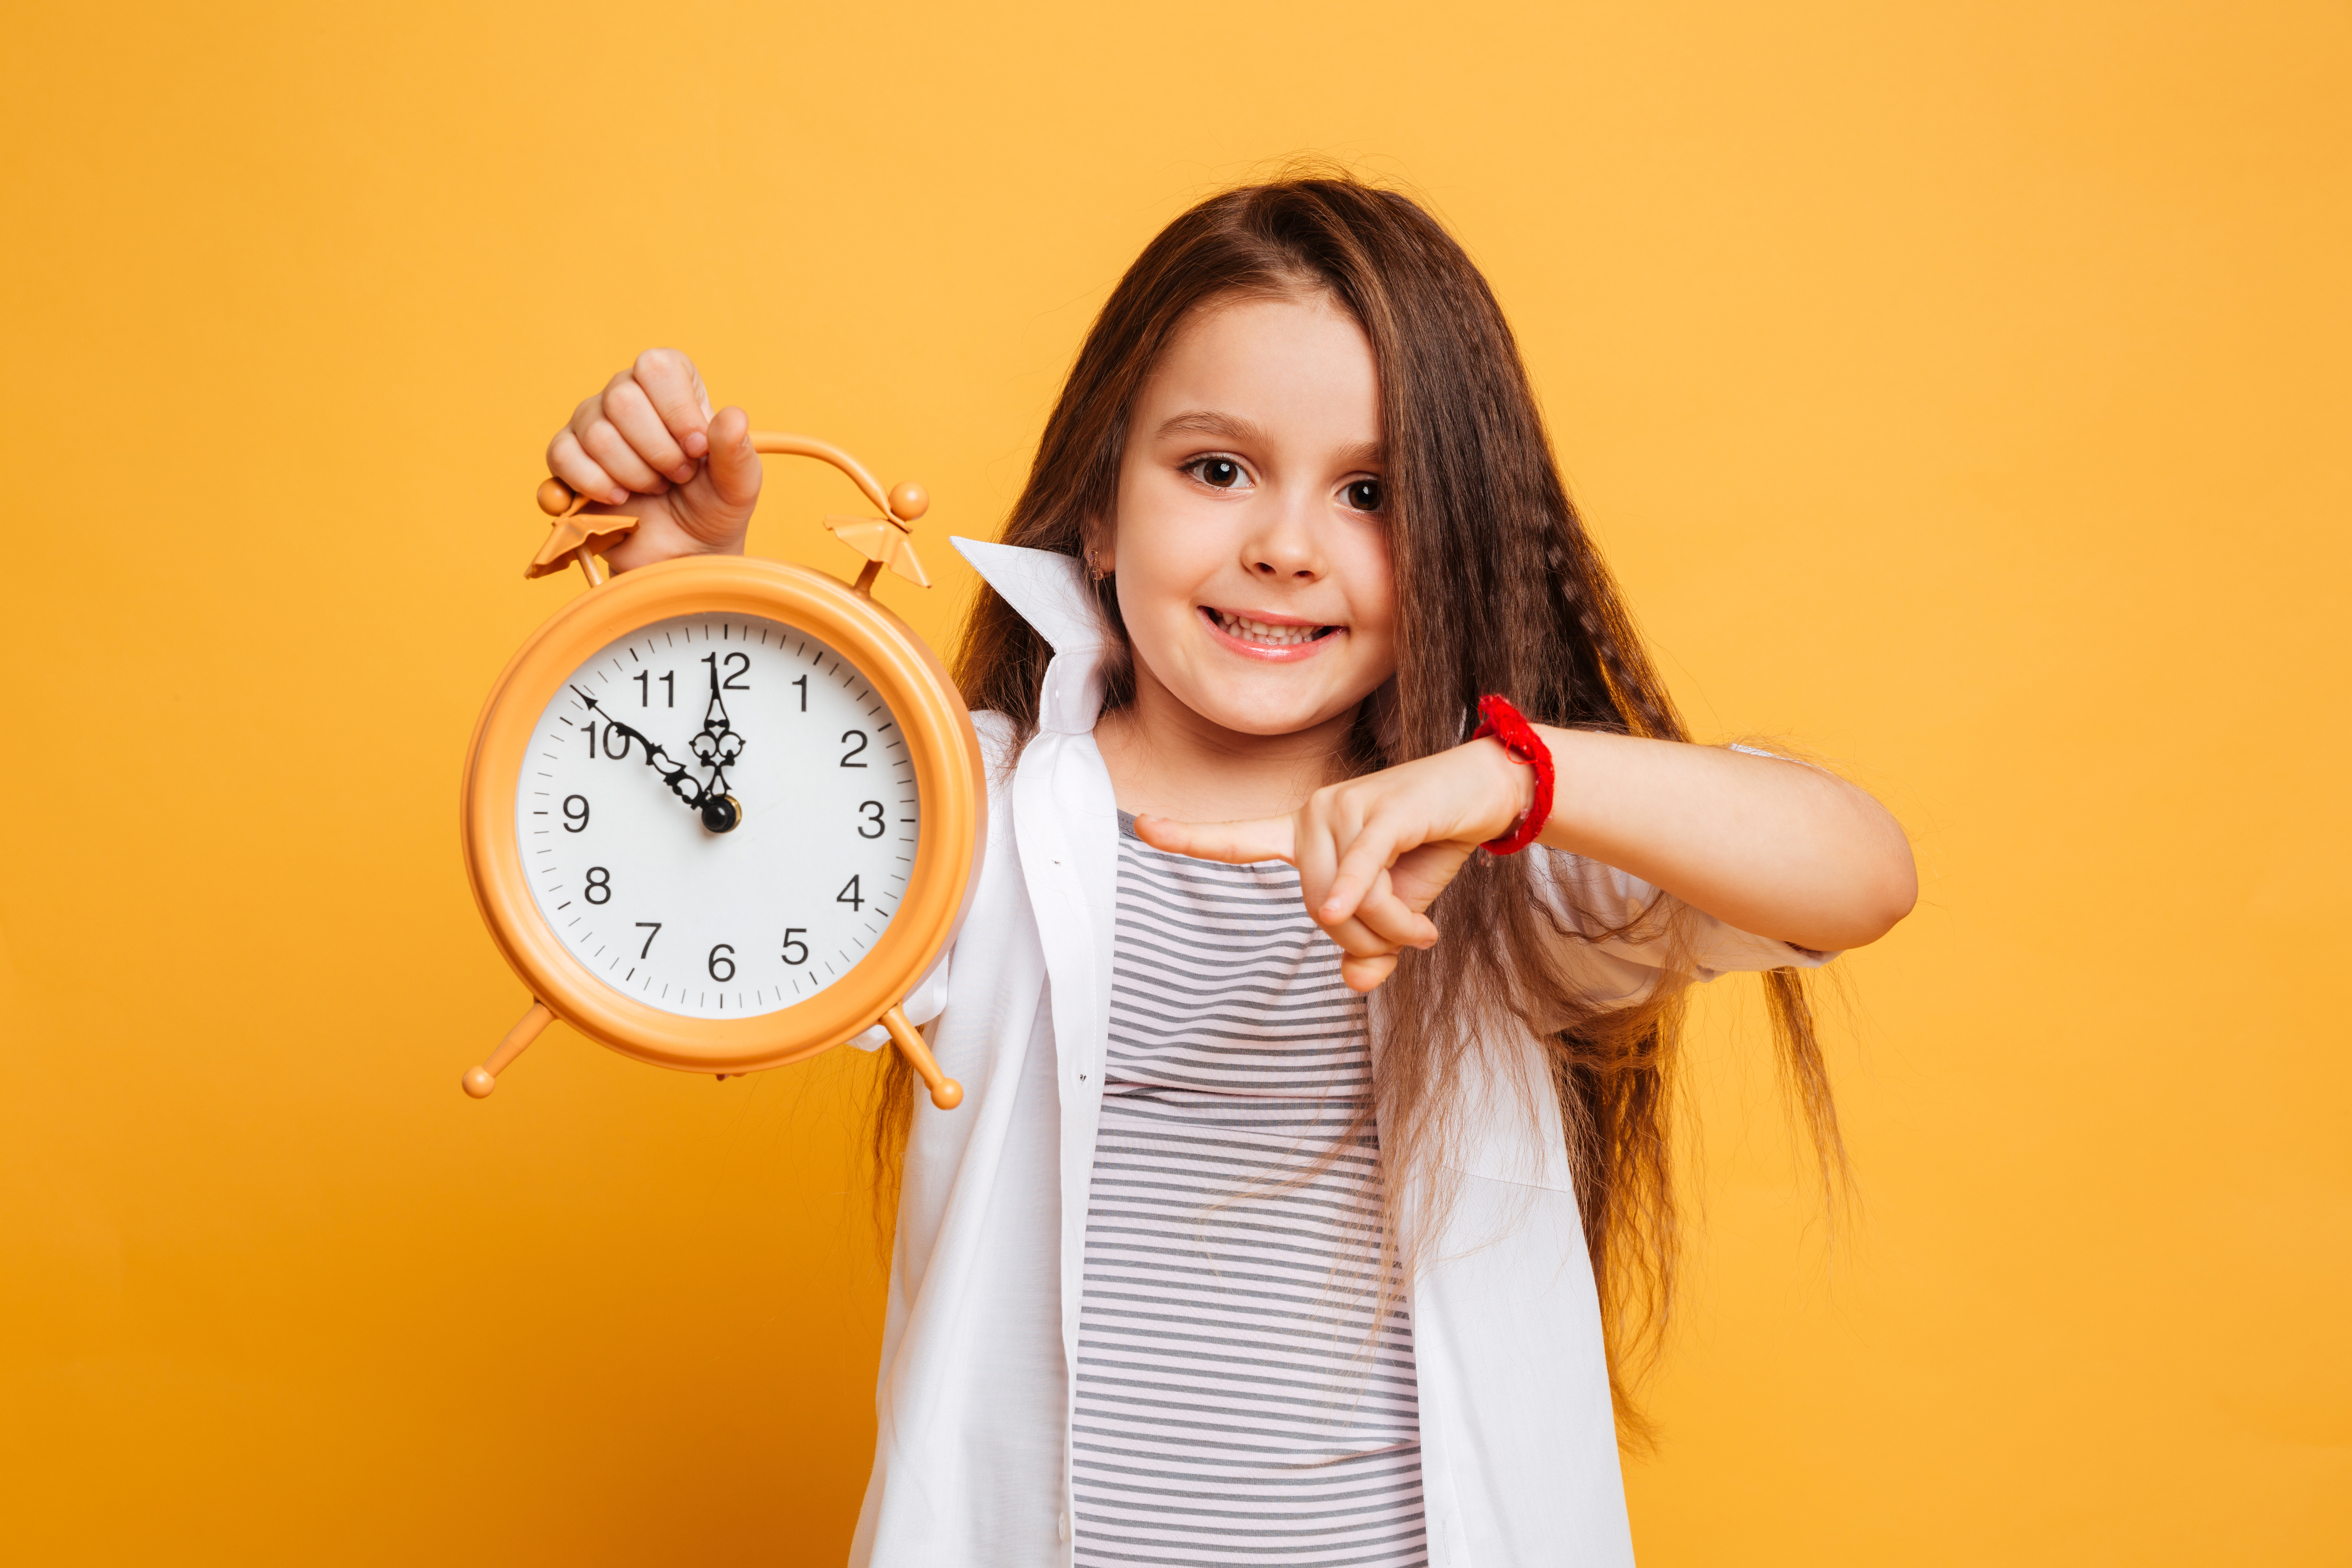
<point x="1373" y="853"/>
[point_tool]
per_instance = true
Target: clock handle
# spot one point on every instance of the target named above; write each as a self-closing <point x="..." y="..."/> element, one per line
<point x="946" y="1093"/>
<point x="480" y="1081"/>
<point x="883" y="541"/>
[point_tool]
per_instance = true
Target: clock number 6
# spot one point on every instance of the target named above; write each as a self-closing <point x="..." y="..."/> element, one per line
<point x="792" y="935"/>
<point x="600" y="885"/>
<point x="722" y="958"/>
<point x="874" y="820"/>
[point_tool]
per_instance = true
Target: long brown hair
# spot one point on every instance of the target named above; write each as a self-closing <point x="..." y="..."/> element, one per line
<point x="1499" y="588"/>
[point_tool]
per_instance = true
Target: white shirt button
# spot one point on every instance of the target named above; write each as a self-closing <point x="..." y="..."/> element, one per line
<point x="1064" y="1526"/>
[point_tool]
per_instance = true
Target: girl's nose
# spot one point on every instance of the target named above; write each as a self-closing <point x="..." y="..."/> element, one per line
<point x="1285" y="549"/>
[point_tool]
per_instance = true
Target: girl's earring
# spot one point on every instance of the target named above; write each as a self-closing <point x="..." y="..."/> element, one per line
<point x="1094" y="573"/>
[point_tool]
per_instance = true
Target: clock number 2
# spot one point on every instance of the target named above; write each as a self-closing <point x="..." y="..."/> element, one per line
<point x="856" y="750"/>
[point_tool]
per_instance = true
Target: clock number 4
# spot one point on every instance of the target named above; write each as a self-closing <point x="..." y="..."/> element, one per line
<point x="850" y="895"/>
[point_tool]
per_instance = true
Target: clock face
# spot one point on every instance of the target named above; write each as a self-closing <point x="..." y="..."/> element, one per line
<point x="717" y="816"/>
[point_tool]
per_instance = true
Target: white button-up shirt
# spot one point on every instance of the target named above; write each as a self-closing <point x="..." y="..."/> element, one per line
<point x="972" y="1464"/>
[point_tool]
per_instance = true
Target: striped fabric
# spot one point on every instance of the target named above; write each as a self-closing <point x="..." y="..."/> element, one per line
<point x="1236" y="1402"/>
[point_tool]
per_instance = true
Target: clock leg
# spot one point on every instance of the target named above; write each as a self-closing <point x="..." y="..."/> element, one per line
<point x="484" y="1078"/>
<point x="946" y="1093"/>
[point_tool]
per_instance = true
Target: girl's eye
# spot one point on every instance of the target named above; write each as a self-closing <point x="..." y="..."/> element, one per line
<point x="1364" y="495"/>
<point x="1220" y="473"/>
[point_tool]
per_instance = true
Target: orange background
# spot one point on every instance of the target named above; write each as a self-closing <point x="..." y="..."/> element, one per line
<point x="1961" y="391"/>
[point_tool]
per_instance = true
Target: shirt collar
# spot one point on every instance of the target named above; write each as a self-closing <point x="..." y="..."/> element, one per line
<point x="1050" y="591"/>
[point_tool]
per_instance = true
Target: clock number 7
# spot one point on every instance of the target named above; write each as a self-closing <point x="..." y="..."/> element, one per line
<point x="653" y="926"/>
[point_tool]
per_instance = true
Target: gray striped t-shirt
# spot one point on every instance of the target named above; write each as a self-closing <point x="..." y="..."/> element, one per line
<point x="1241" y="1394"/>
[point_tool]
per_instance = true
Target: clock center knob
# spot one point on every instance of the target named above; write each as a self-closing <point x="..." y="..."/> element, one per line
<point x="721" y="814"/>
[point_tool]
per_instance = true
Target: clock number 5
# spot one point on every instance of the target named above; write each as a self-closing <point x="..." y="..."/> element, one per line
<point x="796" y="949"/>
<point x="872" y="811"/>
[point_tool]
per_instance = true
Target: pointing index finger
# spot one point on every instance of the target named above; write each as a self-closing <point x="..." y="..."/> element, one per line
<point x="1234" y="843"/>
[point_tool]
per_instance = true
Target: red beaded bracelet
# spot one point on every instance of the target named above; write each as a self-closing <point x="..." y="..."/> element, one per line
<point x="1498" y="718"/>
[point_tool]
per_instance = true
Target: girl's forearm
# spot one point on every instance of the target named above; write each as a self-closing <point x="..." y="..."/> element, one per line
<point x="1771" y="847"/>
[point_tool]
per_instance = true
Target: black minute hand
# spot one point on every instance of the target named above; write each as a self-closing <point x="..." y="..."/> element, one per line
<point x="682" y="783"/>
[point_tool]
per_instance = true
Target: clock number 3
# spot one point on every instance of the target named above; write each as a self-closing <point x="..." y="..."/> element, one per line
<point x="872" y="811"/>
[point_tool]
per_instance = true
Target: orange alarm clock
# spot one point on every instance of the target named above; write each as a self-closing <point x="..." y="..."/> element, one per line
<point x="722" y="813"/>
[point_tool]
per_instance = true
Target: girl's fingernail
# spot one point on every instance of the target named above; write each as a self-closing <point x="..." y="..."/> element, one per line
<point x="683" y="473"/>
<point x="617" y="498"/>
<point x="696" y="443"/>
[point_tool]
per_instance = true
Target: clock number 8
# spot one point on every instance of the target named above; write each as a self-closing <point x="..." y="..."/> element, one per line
<point x="600" y="885"/>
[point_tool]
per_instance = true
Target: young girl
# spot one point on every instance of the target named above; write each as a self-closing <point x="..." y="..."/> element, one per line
<point x="1312" y="1173"/>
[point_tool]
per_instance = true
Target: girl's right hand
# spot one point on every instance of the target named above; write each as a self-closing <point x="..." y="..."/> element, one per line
<point x="648" y="446"/>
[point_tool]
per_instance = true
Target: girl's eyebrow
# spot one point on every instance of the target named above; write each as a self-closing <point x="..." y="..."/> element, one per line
<point x="1209" y="422"/>
<point x="1244" y="432"/>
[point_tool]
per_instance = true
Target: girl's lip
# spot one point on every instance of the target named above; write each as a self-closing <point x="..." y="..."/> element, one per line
<point x="1293" y="653"/>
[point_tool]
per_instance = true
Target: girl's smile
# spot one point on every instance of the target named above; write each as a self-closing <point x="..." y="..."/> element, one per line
<point x="1267" y="636"/>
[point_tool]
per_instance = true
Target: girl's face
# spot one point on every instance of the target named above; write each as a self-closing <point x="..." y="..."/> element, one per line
<point x="1251" y="547"/>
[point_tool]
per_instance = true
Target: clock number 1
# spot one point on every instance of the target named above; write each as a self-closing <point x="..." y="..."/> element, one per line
<point x="802" y="684"/>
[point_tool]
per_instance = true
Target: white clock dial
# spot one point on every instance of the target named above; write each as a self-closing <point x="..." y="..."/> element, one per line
<point x="638" y="887"/>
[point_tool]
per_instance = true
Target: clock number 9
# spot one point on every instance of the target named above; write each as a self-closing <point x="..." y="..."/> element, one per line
<point x="792" y="935"/>
<point x="721" y="959"/>
<point x="876" y="821"/>
<point x="600" y="885"/>
<point x="575" y="813"/>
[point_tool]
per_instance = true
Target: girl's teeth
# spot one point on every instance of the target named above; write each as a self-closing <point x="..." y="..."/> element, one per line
<point x="1259" y="632"/>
